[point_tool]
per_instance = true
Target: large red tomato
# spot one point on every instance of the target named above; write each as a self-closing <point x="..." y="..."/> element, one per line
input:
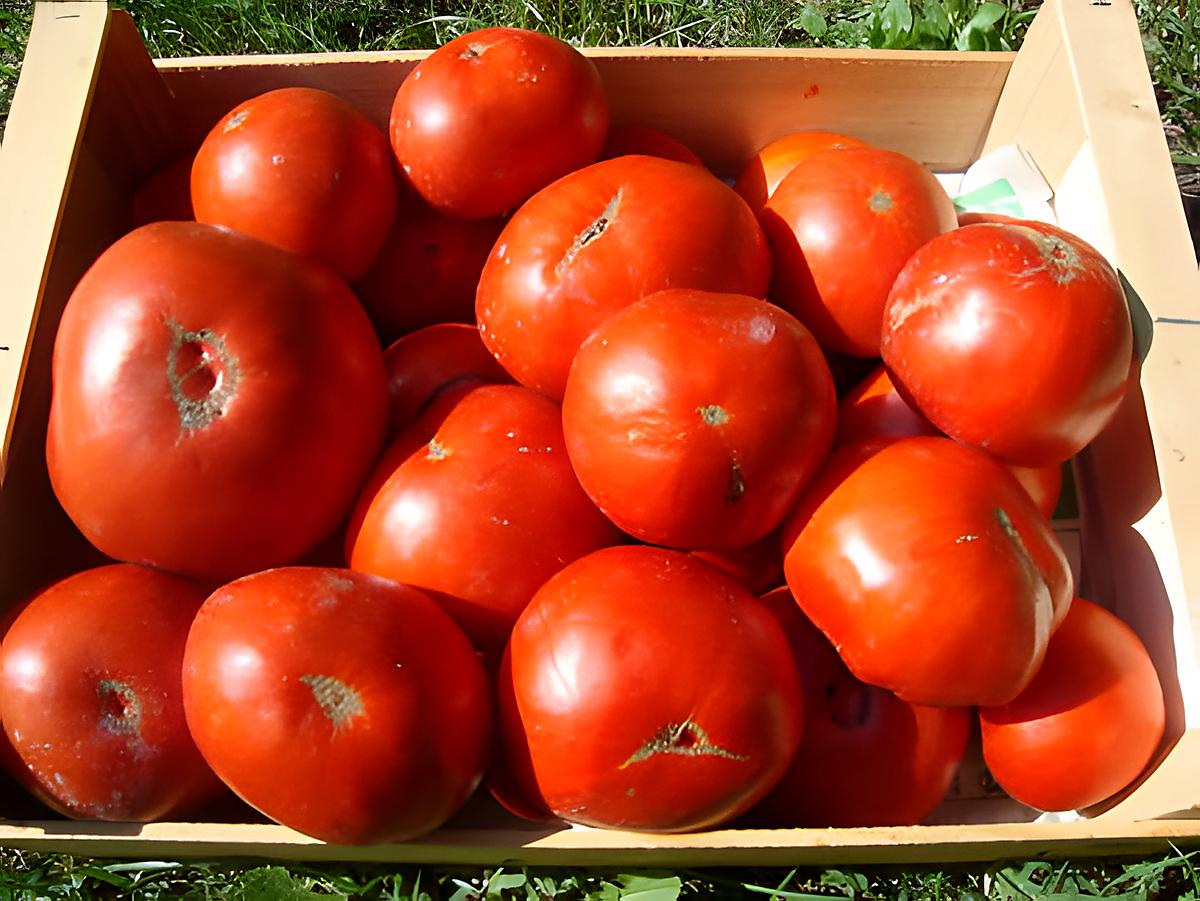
<point x="601" y="238"/>
<point x="1088" y="723"/>
<point x="1012" y="337"/>
<point x="493" y="116"/>
<point x="302" y="169"/>
<point x="484" y="513"/>
<point x="342" y="705"/>
<point x="695" y="419"/>
<point x="933" y="574"/>
<point x="767" y="168"/>
<point x="427" y="271"/>
<point x="641" y="139"/>
<point x="642" y="689"/>
<point x="867" y="757"/>
<point x="91" y="698"/>
<point x="217" y="401"/>
<point x="842" y="225"/>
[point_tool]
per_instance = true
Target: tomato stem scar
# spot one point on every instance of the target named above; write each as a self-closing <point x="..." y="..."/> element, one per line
<point x="436" y="451"/>
<point x="880" y="202"/>
<point x="686" y="739"/>
<point x="591" y="233"/>
<point x="122" y="709"/>
<point x="202" y="392"/>
<point x="338" y="701"/>
<point x="713" y="414"/>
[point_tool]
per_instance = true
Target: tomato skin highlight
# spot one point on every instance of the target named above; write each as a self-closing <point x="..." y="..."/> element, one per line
<point x="1088" y="723"/>
<point x="342" y="705"/>
<point x="771" y="165"/>
<point x="493" y="116"/>
<point x="1013" y="337"/>
<point x="91" y="696"/>
<point x="920" y="521"/>
<point x="667" y="717"/>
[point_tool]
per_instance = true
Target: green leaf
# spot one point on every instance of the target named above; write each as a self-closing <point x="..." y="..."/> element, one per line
<point x="852" y="884"/>
<point x="896" y="20"/>
<point x="811" y="21"/>
<point x="273" y="884"/>
<point x="1185" y="159"/>
<point x="936" y="21"/>
<point x="980" y="32"/>
<point x="649" y="888"/>
<point x="500" y="882"/>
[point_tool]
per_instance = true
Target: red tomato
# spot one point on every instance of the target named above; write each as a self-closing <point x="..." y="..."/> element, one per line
<point x="1014" y="338"/>
<point x="484" y="514"/>
<point x="1088" y="723"/>
<point x="933" y="574"/>
<point x="695" y="419"/>
<point x="217" y="402"/>
<point x="841" y="226"/>
<point x="91" y="698"/>
<point x="875" y="410"/>
<point x="599" y="239"/>
<point x="758" y="566"/>
<point x="427" y="271"/>
<point x="867" y="757"/>
<point x="666" y="716"/>
<point x="767" y="168"/>
<point x="165" y="196"/>
<point x="495" y="115"/>
<point x="301" y="169"/>
<point x="422" y="365"/>
<point x="342" y="705"/>
<point x="641" y="139"/>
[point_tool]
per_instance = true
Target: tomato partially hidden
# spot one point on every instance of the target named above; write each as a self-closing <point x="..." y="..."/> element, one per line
<point x="767" y="168"/>
<point x="642" y="139"/>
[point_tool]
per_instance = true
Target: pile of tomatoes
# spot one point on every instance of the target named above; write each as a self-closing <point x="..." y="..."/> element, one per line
<point x="628" y="521"/>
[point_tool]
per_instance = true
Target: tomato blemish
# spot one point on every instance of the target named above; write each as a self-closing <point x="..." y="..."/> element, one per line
<point x="880" y="202"/>
<point x="120" y="707"/>
<point x="202" y="375"/>
<point x="338" y="701"/>
<point x="436" y="451"/>
<point x="235" y="121"/>
<point x="712" y="414"/>
<point x="737" y="485"/>
<point x="598" y="226"/>
<point x="686" y="739"/>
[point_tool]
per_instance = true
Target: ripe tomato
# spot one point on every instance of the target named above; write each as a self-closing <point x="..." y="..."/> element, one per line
<point x="437" y="358"/>
<point x="640" y="139"/>
<point x="484" y="514"/>
<point x="758" y="566"/>
<point x="342" y="705"/>
<point x="1011" y="337"/>
<point x="217" y="401"/>
<point x="841" y="226"/>
<point x="933" y="574"/>
<point x="837" y="467"/>
<point x="301" y="169"/>
<point x="493" y="116"/>
<point x="767" y="168"/>
<point x="665" y="716"/>
<point x="867" y="757"/>
<point x="166" y="196"/>
<point x="427" y="270"/>
<point x="1088" y="723"/>
<point x="599" y="239"/>
<point x="876" y="410"/>
<point x="695" y="419"/>
<point x="91" y="698"/>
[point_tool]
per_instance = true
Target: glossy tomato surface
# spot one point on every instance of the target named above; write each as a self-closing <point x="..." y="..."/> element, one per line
<point x="600" y="239"/>
<point x="1012" y="337"/>
<point x="933" y="574"/>
<point x="666" y="716"/>
<point x="867" y="758"/>
<point x="842" y="225"/>
<point x="482" y="514"/>
<point x="342" y="705"/>
<point x="217" y="402"/>
<point x="642" y="139"/>
<point x="694" y="419"/>
<point x="495" y="115"/>
<point x="423" y="365"/>
<point x="304" y="170"/>
<point x="1087" y="725"/>
<point x="767" y="168"/>
<point x="91" y="696"/>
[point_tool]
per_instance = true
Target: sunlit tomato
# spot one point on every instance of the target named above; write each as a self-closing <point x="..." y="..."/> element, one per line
<point x="694" y="419"/>
<point x="757" y="566"/>
<point x="217" y="401"/>
<point x="483" y="514"/>
<point x="641" y="139"/>
<point x="495" y="115"/>
<point x="91" y="698"/>
<point x="767" y="168"/>
<point x="599" y="239"/>
<point x="842" y="224"/>
<point x="642" y="689"/>
<point x="301" y="169"/>
<point x="166" y="196"/>
<point x="1087" y="725"/>
<point x="1011" y="337"/>
<point x="427" y="270"/>
<point x="933" y="574"/>
<point x="867" y="758"/>
<point x="876" y="410"/>
<point x="422" y="365"/>
<point x="342" y="705"/>
<point x="837" y="467"/>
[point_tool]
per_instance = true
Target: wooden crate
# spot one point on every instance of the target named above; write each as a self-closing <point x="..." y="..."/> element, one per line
<point x="94" y="115"/>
